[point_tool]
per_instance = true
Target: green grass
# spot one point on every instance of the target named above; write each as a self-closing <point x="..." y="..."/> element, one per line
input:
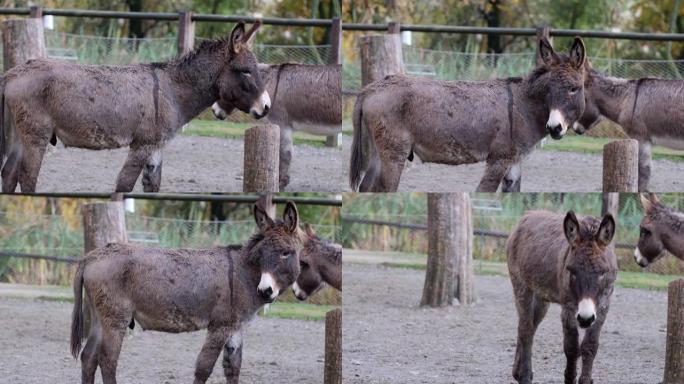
<point x="640" y="280"/>
<point x="594" y="145"/>
<point x="299" y="311"/>
<point x="232" y="130"/>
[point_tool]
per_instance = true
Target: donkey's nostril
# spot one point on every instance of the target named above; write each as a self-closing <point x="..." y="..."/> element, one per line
<point x="585" y="322"/>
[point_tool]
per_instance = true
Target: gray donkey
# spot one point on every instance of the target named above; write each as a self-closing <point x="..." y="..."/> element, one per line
<point x="320" y="262"/>
<point x="458" y="122"/>
<point x="305" y="98"/>
<point x="565" y="261"/>
<point x="141" y="106"/>
<point x="182" y="290"/>
<point x="661" y="229"/>
<point x="648" y="110"/>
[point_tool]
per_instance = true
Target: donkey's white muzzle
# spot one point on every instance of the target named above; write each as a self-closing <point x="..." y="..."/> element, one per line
<point x="261" y="106"/>
<point x="586" y="312"/>
<point x="268" y="288"/>
<point x="299" y="293"/>
<point x="556" y="126"/>
<point x="219" y="112"/>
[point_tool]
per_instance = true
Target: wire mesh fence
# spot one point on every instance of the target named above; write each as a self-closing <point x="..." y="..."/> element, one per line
<point x="491" y="213"/>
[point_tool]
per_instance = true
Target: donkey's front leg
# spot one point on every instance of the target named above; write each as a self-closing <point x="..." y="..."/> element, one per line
<point x="511" y="182"/>
<point x="151" y="179"/>
<point x="570" y="344"/>
<point x="644" y="165"/>
<point x="232" y="357"/>
<point x="286" y="149"/>
<point x="211" y="349"/>
<point x="137" y="158"/>
<point x="590" y="345"/>
<point x="494" y="172"/>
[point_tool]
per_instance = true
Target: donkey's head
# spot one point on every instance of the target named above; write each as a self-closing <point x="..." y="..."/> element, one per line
<point x="652" y="229"/>
<point x="318" y="258"/>
<point x="275" y="250"/>
<point x="590" y="272"/>
<point x="592" y="113"/>
<point x="239" y="83"/>
<point x="564" y="78"/>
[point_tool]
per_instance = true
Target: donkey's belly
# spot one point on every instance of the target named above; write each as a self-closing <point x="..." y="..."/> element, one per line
<point x="90" y="138"/>
<point x="446" y="153"/>
<point x="322" y="129"/>
<point x="676" y="143"/>
<point x="170" y="321"/>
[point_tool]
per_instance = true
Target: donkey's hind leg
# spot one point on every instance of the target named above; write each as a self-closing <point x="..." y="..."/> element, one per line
<point x="232" y="358"/>
<point x="216" y="339"/>
<point x="525" y="304"/>
<point x="136" y="160"/>
<point x="571" y="345"/>
<point x="10" y="171"/>
<point x="31" y="160"/>
<point x="393" y="150"/>
<point x="89" y="356"/>
<point x="286" y="149"/>
<point x="372" y="172"/>
<point x="151" y="179"/>
<point x="494" y="172"/>
<point x="110" y="347"/>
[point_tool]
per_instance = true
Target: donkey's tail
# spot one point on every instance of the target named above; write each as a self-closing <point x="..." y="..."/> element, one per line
<point x="77" y="314"/>
<point x="359" y="160"/>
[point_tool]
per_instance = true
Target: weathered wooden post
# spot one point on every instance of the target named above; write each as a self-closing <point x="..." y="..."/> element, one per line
<point x="381" y="55"/>
<point x="621" y="166"/>
<point x="35" y="12"/>
<point x="103" y="223"/>
<point x="186" y="33"/>
<point x="335" y="55"/>
<point x="332" y="370"/>
<point x="262" y="157"/>
<point x="22" y="40"/>
<point x="464" y="273"/>
<point x="449" y="271"/>
<point x="674" y="350"/>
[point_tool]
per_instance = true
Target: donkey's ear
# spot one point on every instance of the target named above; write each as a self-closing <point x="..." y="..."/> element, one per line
<point x="291" y="217"/>
<point x="654" y="198"/>
<point x="247" y="39"/>
<point x="266" y="203"/>
<point x="606" y="230"/>
<point x="237" y="37"/>
<point x="309" y="231"/>
<point x="578" y="53"/>
<point x="546" y="51"/>
<point x="263" y="221"/>
<point x="646" y="202"/>
<point x="571" y="227"/>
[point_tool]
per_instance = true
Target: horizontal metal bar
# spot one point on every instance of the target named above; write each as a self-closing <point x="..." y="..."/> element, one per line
<point x="227" y="198"/>
<point x="423" y="227"/>
<point x="65" y="259"/>
<point x="169" y="16"/>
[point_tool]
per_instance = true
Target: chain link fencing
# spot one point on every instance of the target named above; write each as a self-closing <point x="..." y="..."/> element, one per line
<point x="495" y="213"/>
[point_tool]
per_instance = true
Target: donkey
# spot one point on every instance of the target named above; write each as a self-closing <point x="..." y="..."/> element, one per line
<point x="183" y="290"/>
<point x="648" y="110"/>
<point x="141" y="106"/>
<point x="565" y="261"/>
<point x="661" y="229"/>
<point x="306" y="98"/>
<point x="320" y="262"/>
<point x="458" y="122"/>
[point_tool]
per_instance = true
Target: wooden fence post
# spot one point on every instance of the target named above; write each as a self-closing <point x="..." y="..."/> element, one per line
<point x="103" y="223"/>
<point x="621" y="166"/>
<point x="186" y="33"/>
<point x="334" y="58"/>
<point x="674" y="350"/>
<point x="541" y="33"/>
<point x="22" y="40"/>
<point x="262" y="158"/>
<point x="332" y="370"/>
<point x="464" y="273"/>
<point x="381" y="55"/>
<point x="35" y="12"/>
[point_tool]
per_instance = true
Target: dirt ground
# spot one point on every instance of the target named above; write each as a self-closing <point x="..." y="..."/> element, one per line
<point x="389" y="339"/>
<point x="542" y="171"/>
<point x="35" y="349"/>
<point x="191" y="164"/>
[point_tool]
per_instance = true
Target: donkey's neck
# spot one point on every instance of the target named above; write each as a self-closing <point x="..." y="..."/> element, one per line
<point x="530" y="95"/>
<point x="611" y="95"/>
<point x="673" y="234"/>
<point x="194" y="79"/>
<point x="331" y="265"/>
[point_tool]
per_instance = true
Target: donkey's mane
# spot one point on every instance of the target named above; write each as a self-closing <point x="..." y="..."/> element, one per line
<point x="672" y="218"/>
<point x="333" y="256"/>
<point x="206" y="46"/>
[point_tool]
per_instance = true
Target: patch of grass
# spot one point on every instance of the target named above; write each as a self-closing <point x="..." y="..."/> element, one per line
<point x="594" y="145"/>
<point x="232" y="130"/>
<point x="299" y="311"/>
<point x="66" y="299"/>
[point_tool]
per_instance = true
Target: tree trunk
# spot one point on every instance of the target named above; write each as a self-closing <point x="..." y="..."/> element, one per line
<point x="380" y="56"/>
<point x="464" y="273"/>
<point x="186" y="33"/>
<point x="438" y="290"/>
<point x="674" y="352"/>
<point x="332" y="371"/>
<point x="542" y="32"/>
<point x="262" y="154"/>
<point x="22" y="39"/>
<point x="335" y="39"/>
<point x="492" y="16"/>
<point x="621" y="166"/>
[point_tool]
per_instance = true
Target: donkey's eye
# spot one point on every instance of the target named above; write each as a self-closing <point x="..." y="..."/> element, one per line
<point x="303" y="264"/>
<point x="644" y="232"/>
<point x="574" y="90"/>
<point x="245" y="73"/>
